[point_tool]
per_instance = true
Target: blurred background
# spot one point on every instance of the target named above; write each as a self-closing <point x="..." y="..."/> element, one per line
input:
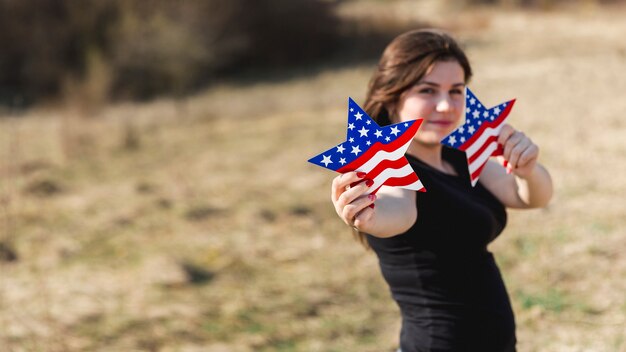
<point x="155" y="194"/>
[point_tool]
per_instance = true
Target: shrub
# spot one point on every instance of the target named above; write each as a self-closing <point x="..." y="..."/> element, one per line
<point x="153" y="47"/>
<point x="43" y="41"/>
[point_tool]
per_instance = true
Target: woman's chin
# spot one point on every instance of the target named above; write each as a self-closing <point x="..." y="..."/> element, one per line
<point x="430" y="139"/>
<point x="428" y="142"/>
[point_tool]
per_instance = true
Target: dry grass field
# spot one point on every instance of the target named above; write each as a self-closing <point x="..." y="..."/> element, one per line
<point x="196" y="224"/>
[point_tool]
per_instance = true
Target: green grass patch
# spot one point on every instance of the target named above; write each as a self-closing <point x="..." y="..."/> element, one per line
<point x="551" y="300"/>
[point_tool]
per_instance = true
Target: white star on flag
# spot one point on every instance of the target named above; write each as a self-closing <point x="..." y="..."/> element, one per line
<point x="363" y="132"/>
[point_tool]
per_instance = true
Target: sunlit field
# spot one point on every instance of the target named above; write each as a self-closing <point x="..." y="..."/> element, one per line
<point x="196" y="224"/>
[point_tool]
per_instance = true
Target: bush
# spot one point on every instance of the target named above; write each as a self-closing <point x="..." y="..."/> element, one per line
<point x="43" y="41"/>
<point x="153" y="47"/>
<point x="174" y="48"/>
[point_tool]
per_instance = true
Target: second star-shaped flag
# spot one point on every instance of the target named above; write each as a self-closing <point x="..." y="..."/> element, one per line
<point x="478" y="136"/>
<point x="376" y="151"/>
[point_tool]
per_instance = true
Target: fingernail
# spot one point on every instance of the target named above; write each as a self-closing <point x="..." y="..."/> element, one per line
<point x="372" y="205"/>
<point x="372" y="197"/>
<point x="369" y="183"/>
<point x="360" y="174"/>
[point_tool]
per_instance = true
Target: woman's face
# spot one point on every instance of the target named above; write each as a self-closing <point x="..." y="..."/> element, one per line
<point x="438" y="98"/>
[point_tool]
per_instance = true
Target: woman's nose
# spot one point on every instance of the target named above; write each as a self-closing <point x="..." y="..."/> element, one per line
<point x="444" y="104"/>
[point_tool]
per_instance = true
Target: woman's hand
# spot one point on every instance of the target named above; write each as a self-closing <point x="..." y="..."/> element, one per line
<point x="530" y="186"/>
<point x="519" y="151"/>
<point x="351" y="202"/>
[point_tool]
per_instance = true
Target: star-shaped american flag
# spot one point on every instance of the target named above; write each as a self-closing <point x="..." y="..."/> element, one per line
<point x="478" y="136"/>
<point x="376" y="151"/>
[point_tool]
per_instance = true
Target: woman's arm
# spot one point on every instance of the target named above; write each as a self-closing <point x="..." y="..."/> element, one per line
<point x="393" y="213"/>
<point x="529" y="184"/>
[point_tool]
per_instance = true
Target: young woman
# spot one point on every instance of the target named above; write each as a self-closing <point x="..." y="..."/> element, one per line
<point x="432" y="246"/>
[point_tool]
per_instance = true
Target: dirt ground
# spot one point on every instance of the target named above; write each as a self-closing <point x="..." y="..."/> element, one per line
<point x="197" y="225"/>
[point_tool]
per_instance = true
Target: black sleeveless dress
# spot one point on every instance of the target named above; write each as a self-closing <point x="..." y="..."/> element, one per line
<point x="446" y="283"/>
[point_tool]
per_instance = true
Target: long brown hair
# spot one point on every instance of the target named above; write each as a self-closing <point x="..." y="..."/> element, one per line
<point x="407" y="59"/>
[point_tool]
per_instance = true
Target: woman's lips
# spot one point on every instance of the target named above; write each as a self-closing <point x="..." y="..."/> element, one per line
<point x="440" y="123"/>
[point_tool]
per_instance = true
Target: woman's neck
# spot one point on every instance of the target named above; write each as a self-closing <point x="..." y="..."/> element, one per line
<point x="429" y="154"/>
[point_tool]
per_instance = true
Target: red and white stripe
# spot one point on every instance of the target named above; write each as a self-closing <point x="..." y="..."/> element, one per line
<point x="484" y="144"/>
<point x="385" y="164"/>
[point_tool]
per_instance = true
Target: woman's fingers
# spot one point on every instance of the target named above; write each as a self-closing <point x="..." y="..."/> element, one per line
<point x="514" y="139"/>
<point x="519" y="151"/>
<point x="529" y="155"/>
<point x="348" y="196"/>
<point x="358" y="209"/>
<point x="353" y="193"/>
<point x="515" y="145"/>
<point x="516" y="150"/>
<point x="340" y="182"/>
<point x="506" y="132"/>
<point x="508" y="138"/>
<point x="364" y="217"/>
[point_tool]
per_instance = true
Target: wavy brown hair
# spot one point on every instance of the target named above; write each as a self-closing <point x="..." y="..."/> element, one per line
<point x="407" y="59"/>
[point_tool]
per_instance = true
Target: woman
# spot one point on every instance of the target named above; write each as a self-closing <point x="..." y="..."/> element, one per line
<point x="432" y="246"/>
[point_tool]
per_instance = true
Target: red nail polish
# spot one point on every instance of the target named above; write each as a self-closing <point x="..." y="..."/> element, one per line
<point x="372" y="205"/>
<point x="360" y="174"/>
<point x="369" y="183"/>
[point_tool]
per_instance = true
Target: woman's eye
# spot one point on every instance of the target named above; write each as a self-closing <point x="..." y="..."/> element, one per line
<point x="456" y="91"/>
<point x="427" y="91"/>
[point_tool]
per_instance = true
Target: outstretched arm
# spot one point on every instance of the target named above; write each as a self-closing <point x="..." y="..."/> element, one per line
<point x="393" y="212"/>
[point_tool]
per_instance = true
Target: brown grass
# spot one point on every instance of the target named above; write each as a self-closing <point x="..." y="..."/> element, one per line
<point x="212" y="233"/>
